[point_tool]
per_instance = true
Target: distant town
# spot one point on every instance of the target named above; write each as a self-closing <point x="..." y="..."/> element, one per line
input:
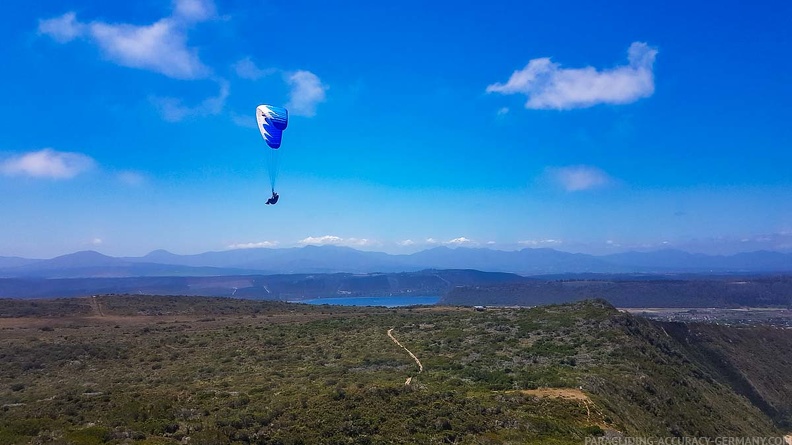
<point x="778" y="317"/>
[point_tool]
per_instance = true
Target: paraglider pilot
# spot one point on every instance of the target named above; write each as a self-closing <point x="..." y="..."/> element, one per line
<point x="274" y="199"/>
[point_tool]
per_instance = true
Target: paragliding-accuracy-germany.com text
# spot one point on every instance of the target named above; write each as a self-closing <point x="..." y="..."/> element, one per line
<point x="685" y="441"/>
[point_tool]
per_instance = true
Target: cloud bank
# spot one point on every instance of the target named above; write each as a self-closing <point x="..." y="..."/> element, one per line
<point x="257" y="245"/>
<point x="47" y="163"/>
<point x="321" y="240"/>
<point x="337" y="241"/>
<point x="548" y="86"/>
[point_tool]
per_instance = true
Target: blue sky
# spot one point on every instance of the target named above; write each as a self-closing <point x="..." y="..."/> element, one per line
<point x="129" y="126"/>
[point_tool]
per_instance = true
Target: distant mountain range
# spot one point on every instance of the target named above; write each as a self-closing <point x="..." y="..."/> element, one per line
<point x="335" y="259"/>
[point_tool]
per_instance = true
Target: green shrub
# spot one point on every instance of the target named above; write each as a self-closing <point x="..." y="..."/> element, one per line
<point x="94" y="435"/>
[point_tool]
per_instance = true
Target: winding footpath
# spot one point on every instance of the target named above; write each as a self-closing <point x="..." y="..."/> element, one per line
<point x="418" y="362"/>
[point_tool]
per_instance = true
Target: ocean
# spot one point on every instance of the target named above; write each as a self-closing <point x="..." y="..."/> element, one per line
<point x="375" y="301"/>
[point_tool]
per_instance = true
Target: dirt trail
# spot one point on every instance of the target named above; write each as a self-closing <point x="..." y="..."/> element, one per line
<point x="97" y="306"/>
<point x="563" y="393"/>
<point x="420" y="366"/>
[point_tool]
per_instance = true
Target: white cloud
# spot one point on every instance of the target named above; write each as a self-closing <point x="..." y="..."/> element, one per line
<point x="431" y="241"/>
<point x="548" y="86"/>
<point x="246" y="69"/>
<point x="97" y="241"/>
<point x="321" y="240"/>
<point x="460" y="241"/>
<point x="579" y="177"/>
<point x="131" y="178"/>
<point x="405" y="243"/>
<point x="62" y="29"/>
<point x="257" y="245"/>
<point x="160" y="47"/>
<point x="163" y="47"/>
<point x="47" y="163"/>
<point x="306" y="92"/>
<point x="503" y="111"/>
<point x="173" y="110"/>
<point x="194" y="10"/>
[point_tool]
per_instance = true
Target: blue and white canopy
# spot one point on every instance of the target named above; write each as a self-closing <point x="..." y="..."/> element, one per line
<point x="271" y="122"/>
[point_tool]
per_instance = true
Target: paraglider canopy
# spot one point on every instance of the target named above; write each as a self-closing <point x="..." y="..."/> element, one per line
<point x="271" y="123"/>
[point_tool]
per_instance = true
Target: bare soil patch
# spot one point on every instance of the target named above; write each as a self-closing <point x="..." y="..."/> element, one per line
<point x="560" y="393"/>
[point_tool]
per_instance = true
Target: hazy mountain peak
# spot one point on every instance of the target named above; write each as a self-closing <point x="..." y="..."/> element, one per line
<point x="83" y="258"/>
<point x="84" y="254"/>
<point x="158" y="252"/>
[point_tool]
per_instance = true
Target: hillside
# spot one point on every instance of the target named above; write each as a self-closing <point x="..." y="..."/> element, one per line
<point x="709" y="291"/>
<point x="167" y="370"/>
<point x="755" y="361"/>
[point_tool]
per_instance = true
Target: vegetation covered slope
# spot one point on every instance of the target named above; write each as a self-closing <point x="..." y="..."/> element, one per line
<point x="694" y="291"/>
<point x="212" y="371"/>
<point x="755" y="361"/>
